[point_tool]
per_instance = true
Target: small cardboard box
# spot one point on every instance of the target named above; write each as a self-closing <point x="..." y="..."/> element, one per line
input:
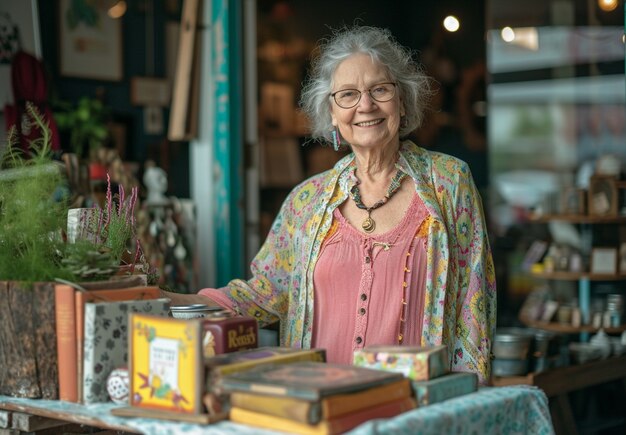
<point x="416" y="363"/>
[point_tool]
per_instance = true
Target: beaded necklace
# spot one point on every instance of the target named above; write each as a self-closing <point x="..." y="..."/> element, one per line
<point x="369" y="224"/>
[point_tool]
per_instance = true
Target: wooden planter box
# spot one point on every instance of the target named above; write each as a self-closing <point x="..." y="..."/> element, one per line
<point x="28" y="355"/>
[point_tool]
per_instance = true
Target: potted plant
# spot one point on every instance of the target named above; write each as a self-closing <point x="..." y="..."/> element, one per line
<point x="34" y="253"/>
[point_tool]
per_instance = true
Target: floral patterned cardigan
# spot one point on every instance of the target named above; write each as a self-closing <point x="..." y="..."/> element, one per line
<point x="460" y="299"/>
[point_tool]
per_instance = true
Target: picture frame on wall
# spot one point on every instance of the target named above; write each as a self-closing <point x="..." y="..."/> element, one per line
<point x="604" y="261"/>
<point x="90" y="42"/>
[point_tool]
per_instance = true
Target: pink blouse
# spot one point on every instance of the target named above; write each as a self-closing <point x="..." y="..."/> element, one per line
<point x="360" y="282"/>
<point x="353" y="310"/>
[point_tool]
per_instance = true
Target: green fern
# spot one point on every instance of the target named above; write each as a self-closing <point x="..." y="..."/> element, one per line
<point x="32" y="211"/>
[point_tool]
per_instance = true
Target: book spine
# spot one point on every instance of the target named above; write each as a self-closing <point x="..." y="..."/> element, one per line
<point x="258" y="419"/>
<point x="341" y="404"/>
<point x="80" y="341"/>
<point x="349" y="421"/>
<point x="66" y="342"/>
<point x="325" y="427"/>
<point x="285" y="407"/>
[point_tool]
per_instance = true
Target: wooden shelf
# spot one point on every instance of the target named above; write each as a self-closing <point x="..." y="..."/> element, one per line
<point x="579" y="219"/>
<point x="569" y="329"/>
<point x="565" y="379"/>
<point x="575" y="276"/>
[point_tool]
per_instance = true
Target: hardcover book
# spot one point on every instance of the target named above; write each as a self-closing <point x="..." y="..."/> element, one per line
<point x="106" y="341"/>
<point x="444" y="387"/>
<point x="221" y="365"/>
<point x="106" y="295"/>
<point x="64" y="309"/>
<point x="332" y="426"/>
<point x="307" y="380"/>
<point x="416" y="363"/>
<point x="166" y="368"/>
<point x="309" y="412"/>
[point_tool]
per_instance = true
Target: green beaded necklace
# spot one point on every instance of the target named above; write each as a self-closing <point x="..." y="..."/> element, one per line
<point x="368" y="224"/>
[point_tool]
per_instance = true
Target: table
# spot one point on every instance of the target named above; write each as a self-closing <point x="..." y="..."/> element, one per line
<point x="557" y="383"/>
<point x="491" y="410"/>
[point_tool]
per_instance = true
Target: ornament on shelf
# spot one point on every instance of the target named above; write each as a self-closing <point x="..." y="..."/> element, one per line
<point x="155" y="180"/>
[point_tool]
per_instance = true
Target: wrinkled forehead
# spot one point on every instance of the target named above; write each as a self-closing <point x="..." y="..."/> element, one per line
<point x="359" y="70"/>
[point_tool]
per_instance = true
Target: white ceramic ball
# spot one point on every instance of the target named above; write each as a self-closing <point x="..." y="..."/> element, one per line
<point x="118" y="386"/>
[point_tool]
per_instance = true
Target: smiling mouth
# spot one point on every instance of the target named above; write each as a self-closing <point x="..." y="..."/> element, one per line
<point x="369" y="123"/>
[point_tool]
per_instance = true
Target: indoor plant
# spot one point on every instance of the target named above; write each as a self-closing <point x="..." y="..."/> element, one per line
<point x="33" y="254"/>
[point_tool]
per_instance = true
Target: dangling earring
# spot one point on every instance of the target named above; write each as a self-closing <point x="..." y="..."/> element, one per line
<point x="336" y="139"/>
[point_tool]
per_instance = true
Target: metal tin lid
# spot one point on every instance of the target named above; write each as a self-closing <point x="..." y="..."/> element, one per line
<point x="194" y="311"/>
<point x="194" y="308"/>
<point x="510" y="335"/>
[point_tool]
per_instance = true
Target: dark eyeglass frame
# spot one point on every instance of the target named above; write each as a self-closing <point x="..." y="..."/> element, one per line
<point x="369" y="91"/>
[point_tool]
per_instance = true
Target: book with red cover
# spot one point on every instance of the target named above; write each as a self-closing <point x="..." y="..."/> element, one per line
<point x="66" y="341"/>
<point x="307" y="380"/>
<point x="331" y="426"/>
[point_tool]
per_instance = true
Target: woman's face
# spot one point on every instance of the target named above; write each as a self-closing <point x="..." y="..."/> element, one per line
<point x="370" y="123"/>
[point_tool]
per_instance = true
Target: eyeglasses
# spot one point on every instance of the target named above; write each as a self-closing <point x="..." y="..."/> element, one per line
<point x="348" y="98"/>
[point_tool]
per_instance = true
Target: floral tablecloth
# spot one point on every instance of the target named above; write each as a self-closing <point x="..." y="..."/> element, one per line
<point x="498" y="410"/>
<point x="495" y="410"/>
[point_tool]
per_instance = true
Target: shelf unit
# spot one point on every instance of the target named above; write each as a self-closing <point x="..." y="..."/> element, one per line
<point x="578" y="219"/>
<point x="569" y="329"/>
<point x="584" y="279"/>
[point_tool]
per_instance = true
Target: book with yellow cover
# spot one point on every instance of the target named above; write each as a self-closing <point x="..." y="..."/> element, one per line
<point x="331" y="426"/>
<point x="165" y="363"/>
<point x="312" y="412"/>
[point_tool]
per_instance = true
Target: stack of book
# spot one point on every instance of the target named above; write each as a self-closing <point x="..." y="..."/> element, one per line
<point x="92" y="331"/>
<point x="216" y="401"/>
<point x="171" y="380"/>
<point x="315" y="398"/>
<point x="426" y="367"/>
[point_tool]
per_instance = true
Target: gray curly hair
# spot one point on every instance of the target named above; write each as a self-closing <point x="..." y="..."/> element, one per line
<point x="414" y="85"/>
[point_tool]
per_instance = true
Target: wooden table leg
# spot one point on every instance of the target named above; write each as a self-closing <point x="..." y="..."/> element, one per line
<point x="562" y="416"/>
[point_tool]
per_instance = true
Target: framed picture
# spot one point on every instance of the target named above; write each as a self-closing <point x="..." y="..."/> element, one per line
<point x="602" y="196"/>
<point x="573" y="201"/>
<point x="604" y="261"/>
<point x="150" y="91"/>
<point x="90" y="42"/>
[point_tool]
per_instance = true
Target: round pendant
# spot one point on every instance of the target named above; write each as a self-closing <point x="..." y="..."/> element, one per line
<point x="368" y="225"/>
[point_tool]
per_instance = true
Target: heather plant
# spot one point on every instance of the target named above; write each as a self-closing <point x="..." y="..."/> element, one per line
<point x="114" y="225"/>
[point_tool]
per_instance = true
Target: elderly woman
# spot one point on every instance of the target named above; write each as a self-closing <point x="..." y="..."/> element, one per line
<point x="390" y="245"/>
